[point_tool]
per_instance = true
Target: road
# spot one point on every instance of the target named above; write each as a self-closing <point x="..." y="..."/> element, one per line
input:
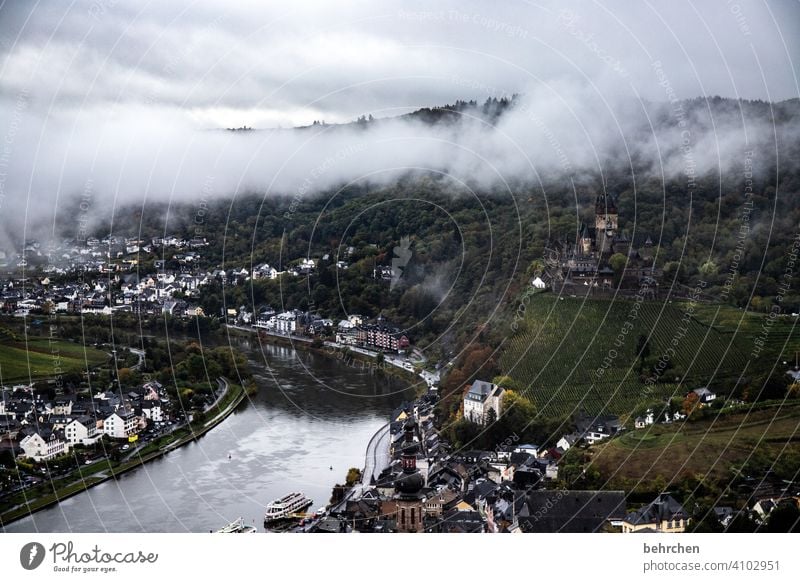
<point x="377" y="455"/>
<point x="286" y="336"/>
<point x="139" y="353"/>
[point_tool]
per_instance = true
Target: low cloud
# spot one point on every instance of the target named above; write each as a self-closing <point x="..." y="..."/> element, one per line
<point x="108" y="105"/>
<point x="139" y="156"/>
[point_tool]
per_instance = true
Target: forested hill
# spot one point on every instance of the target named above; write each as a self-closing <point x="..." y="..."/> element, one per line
<point x="473" y="251"/>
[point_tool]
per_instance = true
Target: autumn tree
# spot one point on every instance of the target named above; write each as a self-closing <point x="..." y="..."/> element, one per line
<point x="690" y="403"/>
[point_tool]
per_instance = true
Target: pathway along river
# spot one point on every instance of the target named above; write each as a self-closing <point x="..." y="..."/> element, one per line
<point x="311" y="413"/>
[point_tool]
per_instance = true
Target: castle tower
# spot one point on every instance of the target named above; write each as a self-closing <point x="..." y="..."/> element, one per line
<point x="606" y="220"/>
<point x="408" y="486"/>
<point x="585" y="241"/>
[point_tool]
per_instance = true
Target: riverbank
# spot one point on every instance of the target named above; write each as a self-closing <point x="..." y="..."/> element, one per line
<point x="357" y="358"/>
<point x="105" y="470"/>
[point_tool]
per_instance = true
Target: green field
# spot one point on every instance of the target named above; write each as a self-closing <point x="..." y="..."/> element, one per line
<point x="583" y="354"/>
<point x="41" y="358"/>
<point x="714" y="448"/>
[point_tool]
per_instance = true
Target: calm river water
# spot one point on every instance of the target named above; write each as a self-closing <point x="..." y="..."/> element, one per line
<point x="311" y="413"/>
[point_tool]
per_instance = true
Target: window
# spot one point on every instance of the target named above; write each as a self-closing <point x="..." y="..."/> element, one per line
<point x="413" y="516"/>
<point x="402" y="516"/>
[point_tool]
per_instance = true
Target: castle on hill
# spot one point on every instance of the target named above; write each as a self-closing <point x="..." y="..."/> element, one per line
<point x="582" y="266"/>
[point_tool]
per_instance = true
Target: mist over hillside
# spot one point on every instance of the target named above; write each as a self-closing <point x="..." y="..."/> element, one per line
<point x="537" y="140"/>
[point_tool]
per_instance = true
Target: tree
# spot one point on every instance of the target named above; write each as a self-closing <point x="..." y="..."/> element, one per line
<point x="516" y="416"/>
<point x="618" y="262"/>
<point x="708" y="269"/>
<point x="125" y="375"/>
<point x="742" y="523"/>
<point x="768" y="386"/>
<point x="690" y="403"/>
<point x="643" y="349"/>
<point x="462" y="432"/>
<point x="535" y="269"/>
<point x="353" y="476"/>
<point x="784" y="519"/>
<point x="705" y="521"/>
<point x="508" y="383"/>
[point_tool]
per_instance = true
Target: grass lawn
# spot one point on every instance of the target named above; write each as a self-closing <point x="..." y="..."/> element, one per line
<point x="41" y="358"/>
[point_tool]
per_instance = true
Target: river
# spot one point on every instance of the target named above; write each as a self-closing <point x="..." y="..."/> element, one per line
<point x="312" y="412"/>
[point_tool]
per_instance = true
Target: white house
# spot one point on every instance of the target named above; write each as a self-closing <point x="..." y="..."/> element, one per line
<point x="705" y="395"/>
<point x="63" y="405"/>
<point x="151" y="410"/>
<point x="537" y="283"/>
<point x="82" y="431"/>
<point x="285" y="322"/>
<point x="567" y="441"/>
<point x="121" y="424"/>
<point x="44" y="445"/>
<point x="346" y="332"/>
<point x="644" y="421"/>
<point x="264" y="271"/>
<point x="480" y="399"/>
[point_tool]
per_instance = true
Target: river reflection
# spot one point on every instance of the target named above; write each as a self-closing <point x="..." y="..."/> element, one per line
<point x="311" y="413"/>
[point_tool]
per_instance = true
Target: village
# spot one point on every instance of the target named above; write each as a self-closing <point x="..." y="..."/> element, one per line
<point x="424" y="485"/>
<point x="101" y="277"/>
<point x="416" y="481"/>
<point x="40" y="432"/>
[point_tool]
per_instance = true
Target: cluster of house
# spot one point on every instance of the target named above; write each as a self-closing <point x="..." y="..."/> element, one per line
<point x="304" y="267"/>
<point x="165" y="292"/>
<point x="42" y="429"/>
<point x="115" y="293"/>
<point x="483" y="404"/>
<point x="116" y="253"/>
<point x="170" y="291"/>
<point x="106" y="255"/>
<point x="380" y="334"/>
<point x="705" y="396"/>
<point x="356" y="330"/>
<point x="429" y="487"/>
<point x="293" y="321"/>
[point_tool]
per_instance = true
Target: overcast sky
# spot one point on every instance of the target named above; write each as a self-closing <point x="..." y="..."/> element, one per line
<point x="292" y="62"/>
<point x="106" y="99"/>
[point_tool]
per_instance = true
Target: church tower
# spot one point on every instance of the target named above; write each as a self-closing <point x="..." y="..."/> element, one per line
<point x="606" y="220"/>
<point x="408" y="487"/>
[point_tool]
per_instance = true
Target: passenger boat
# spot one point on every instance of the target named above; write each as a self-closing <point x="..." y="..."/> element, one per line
<point x="284" y="507"/>
<point x="237" y="526"/>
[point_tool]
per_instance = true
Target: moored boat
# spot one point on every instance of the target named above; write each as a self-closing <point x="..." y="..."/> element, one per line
<point x="237" y="526"/>
<point x="285" y="507"/>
